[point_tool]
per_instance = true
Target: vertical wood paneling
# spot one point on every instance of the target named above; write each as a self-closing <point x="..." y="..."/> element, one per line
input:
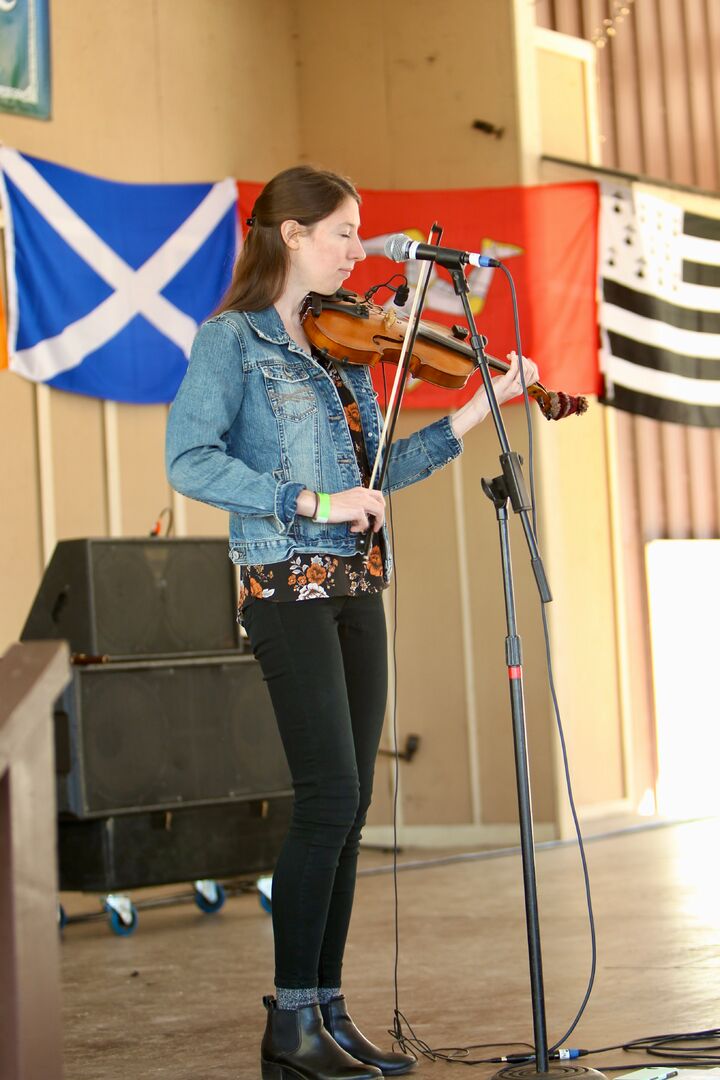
<point x="545" y="14"/>
<point x="676" y="80"/>
<point x="431" y="681"/>
<point x="78" y="466"/>
<point x="46" y="470"/>
<point x="658" y="83"/>
<point x="630" y="528"/>
<point x="656" y="156"/>
<point x="485" y="599"/>
<point x="626" y="98"/>
<point x="675" y="470"/>
<point x="659" y="87"/>
<point x="144" y="489"/>
<point x="711" y="12"/>
<point x="575" y="531"/>
<point x="714" y="437"/>
<point x="700" y="87"/>
<point x="568" y="18"/>
<point x="594" y="11"/>
<point x="701" y="482"/>
<point x="21" y="556"/>
<point x="648" y="477"/>
<point x="113" y="468"/>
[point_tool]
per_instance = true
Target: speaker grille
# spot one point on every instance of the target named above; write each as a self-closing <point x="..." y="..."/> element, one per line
<point x="163" y="734"/>
<point x="137" y="597"/>
<point x="163" y="597"/>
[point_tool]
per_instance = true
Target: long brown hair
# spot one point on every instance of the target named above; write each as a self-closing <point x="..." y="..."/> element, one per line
<point x="303" y="194"/>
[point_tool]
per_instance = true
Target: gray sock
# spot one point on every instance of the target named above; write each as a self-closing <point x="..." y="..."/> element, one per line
<point x="327" y="993"/>
<point x="296" y="997"/>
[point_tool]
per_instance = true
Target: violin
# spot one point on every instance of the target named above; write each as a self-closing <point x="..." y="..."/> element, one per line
<point x="351" y="329"/>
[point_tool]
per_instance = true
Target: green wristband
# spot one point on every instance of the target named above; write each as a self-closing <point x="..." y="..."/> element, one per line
<point x="322" y="514"/>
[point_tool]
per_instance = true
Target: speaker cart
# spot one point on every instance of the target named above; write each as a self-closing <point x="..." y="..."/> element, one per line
<point x="168" y="761"/>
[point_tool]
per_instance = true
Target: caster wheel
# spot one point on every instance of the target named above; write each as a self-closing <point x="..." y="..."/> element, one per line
<point x="209" y="896"/>
<point x="61" y="917"/>
<point x="122" y="915"/>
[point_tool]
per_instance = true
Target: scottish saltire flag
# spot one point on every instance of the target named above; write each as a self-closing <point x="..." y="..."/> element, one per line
<point x="107" y="282"/>
<point x="660" y="312"/>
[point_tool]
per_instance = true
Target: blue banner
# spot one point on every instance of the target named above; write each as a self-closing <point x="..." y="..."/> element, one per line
<point x="108" y="282"/>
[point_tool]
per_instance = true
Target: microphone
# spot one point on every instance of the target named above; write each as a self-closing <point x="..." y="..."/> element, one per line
<point x="400" y="248"/>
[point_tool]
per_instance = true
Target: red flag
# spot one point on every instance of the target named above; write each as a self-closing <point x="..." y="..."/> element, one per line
<point x="546" y="236"/>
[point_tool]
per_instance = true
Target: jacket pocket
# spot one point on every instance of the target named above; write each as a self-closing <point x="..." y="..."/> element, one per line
<point x="289" y="390"/>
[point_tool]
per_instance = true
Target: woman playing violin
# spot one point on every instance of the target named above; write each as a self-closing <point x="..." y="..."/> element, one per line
<point x="284" y="438"/>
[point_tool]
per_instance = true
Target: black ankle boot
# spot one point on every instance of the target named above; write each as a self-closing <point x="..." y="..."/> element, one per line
<point x="338" y="1022"/>
<point x="296" y="1046"/>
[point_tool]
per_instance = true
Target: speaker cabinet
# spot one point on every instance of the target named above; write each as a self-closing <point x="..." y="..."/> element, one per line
<point x="164" y="734"/>
<point x="134" y="850"/>
<point x="137" y="597"/>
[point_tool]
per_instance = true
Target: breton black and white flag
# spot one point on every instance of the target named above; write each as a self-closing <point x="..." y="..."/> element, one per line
<point x="660" y="303"/>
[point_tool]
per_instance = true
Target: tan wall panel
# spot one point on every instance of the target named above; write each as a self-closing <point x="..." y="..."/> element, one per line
<point x="165" y="90"/>
<point x="105" y="103"/>
<point x="78" y="453"/>
<point x="576" y="535"/>
<point x="427" y="73"/>
<point x="436" y="786"/>
<point x="563" y="109"/>
<point x="227" y="87"/>
<point x="20" y="533"/>
<point x="148" y="93"/>
<point x="204" y="520"/>
<point x="641" y="718"/>
<point x="144" y="489"/>
<point x="497" y="771"/>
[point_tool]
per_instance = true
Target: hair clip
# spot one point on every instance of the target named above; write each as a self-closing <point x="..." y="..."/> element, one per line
<point x="250" y="222"/>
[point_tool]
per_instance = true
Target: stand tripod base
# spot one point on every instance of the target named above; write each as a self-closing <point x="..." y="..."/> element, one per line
<point x="557" y="1071"/>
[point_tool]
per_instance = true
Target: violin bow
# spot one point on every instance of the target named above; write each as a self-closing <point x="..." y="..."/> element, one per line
<point x="400" y="381"/>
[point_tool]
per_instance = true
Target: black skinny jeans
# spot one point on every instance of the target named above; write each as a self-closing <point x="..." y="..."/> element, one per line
<point x="325" y="664"/>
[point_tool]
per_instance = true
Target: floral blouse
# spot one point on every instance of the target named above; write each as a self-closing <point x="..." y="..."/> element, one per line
<point x="314" y="577"/>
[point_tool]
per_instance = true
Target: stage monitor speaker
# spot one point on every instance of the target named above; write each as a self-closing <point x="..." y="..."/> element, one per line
<point x="160" y="734"/>
<point x="156" y="848"/>
<point x="137" y="597"/>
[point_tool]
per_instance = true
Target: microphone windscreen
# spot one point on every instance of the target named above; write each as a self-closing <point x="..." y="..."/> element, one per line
<point x="397" y="247"/>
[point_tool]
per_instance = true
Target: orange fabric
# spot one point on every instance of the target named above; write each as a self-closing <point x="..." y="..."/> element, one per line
<point x="545" y="235"/>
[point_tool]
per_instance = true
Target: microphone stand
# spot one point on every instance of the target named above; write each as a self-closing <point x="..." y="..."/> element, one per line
<point x="511" y="485"/>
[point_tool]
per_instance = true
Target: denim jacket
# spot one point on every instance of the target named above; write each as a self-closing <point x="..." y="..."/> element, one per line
<point x="256" y="420"/>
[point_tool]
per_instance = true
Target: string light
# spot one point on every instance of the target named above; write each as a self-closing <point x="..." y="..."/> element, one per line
<point x="609" y="27"/>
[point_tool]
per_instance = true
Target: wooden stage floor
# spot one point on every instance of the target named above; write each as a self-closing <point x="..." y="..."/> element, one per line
<point x="181" y="998"/>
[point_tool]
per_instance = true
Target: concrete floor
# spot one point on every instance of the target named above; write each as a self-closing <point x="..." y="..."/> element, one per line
<point x="181" y="998"/>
